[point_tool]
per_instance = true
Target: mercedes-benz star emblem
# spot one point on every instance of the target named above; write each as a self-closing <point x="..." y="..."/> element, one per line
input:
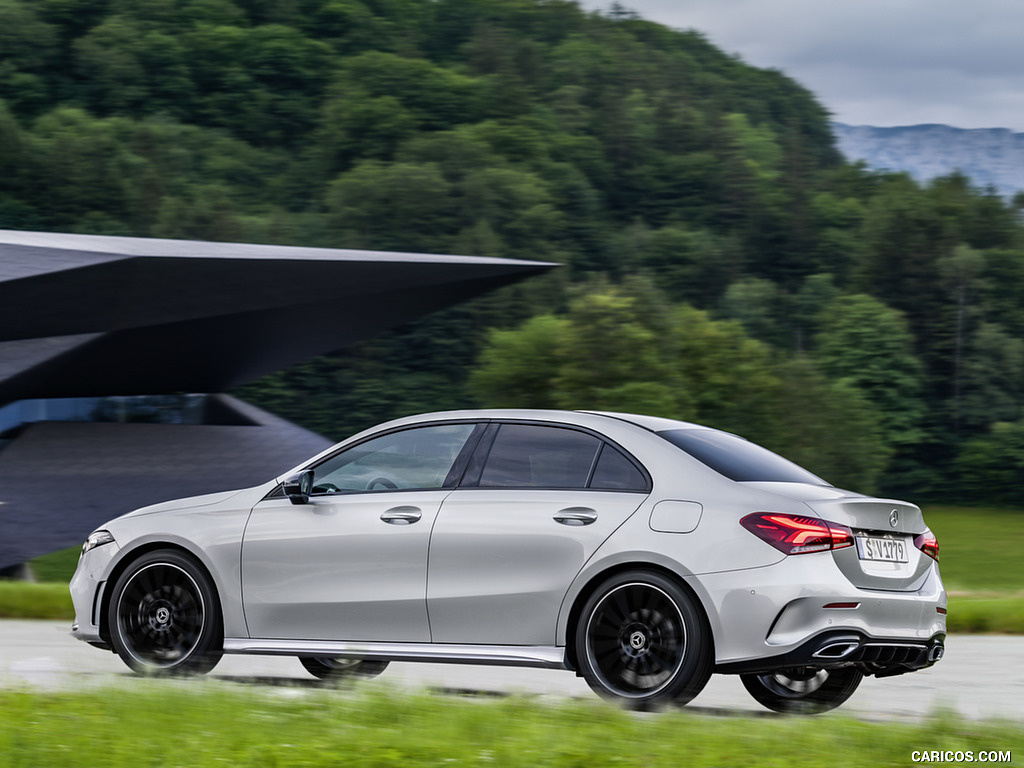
<point x="894" y="518"/>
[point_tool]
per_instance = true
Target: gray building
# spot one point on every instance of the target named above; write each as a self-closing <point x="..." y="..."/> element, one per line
<point x="99" y="332"/>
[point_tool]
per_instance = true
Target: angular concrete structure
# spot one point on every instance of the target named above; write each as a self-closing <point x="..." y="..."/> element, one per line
<point x="91" y="316"/>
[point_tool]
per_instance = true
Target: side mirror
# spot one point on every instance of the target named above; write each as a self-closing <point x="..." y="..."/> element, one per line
<point x="297" y="487"/>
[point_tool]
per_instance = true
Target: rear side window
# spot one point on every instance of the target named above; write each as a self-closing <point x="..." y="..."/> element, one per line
<point x="614" y="472"/>
<point x="738" y="459"/>
<point x="539" y="456"/>
<point x="529" y="456"/>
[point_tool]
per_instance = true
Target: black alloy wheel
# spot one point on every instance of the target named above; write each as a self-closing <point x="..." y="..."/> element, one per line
<point x="164" y="617"/>
<point x="642" y="639"/>
<point x="327" y="668"/>
<point x="803" y="690"/>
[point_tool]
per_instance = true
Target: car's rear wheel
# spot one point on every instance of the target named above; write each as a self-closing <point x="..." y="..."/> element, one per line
<point x="803" y="690"/>
<point x="164" y="617"/>
<point x="327" y="668"/>
<point x="643" y="639"/>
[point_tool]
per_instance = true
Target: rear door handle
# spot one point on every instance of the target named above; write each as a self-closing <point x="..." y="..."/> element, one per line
<point x="401" y="515"/>
<point x="576" y="516"/>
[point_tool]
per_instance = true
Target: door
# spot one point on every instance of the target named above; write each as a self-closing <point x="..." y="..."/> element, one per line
<point x="508" y="543"/>
<point x="352" y="563"/>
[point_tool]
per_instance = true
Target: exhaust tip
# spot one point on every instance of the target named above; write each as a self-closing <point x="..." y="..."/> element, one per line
<point x="936" y="653"/>
<point x="836" y="650"/>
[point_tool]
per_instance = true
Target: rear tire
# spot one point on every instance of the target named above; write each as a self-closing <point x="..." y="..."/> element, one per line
<point x="164" y="617"/>
<point x="644" y="641"/>
<point x="803" y="690"/>
<point x="326" y="668"/>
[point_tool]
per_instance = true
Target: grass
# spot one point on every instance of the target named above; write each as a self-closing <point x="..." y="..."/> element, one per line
<point x="22" y="600"/>
<point x="209" y="723"/>
<point x="980" y="548"/>
<point x="57" y="566"/>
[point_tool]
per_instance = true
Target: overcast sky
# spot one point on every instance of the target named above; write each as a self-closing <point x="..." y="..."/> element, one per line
<point x="874" y="62"/>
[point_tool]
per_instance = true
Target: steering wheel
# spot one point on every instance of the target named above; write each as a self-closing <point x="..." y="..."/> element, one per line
<point x="384" y="482"/>
<point x="325" y="488"/>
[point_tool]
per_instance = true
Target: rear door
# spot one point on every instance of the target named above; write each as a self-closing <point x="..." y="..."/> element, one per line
<point x="537" y="501"/>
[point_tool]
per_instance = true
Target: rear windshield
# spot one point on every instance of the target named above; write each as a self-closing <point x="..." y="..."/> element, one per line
<point x="738" y="459"/>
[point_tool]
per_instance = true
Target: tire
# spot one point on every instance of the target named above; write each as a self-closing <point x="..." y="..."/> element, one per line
<point x="643" y="640"/>
<point x="803" y="690"/>
<point x="327" y="668"/>
<point x="164" y="617"/>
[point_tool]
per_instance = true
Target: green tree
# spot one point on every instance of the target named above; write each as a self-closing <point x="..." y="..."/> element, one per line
<point x="813" y="412"/>
<point x="867" y="345"/>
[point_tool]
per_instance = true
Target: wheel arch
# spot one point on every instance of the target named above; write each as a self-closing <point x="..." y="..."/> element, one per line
<point x="134" y="554"/>
<point x="596" y="579"/>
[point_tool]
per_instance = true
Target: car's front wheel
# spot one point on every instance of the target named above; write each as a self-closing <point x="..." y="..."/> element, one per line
<point x="803" y="690"/>
<point x="164" y="617"/>
<point x="327" y="668"/>
<point x="643" y="639"/>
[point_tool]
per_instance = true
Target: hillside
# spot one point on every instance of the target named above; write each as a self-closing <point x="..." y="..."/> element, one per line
<point x="988" y="156"/>
<point x="722" y="263"/>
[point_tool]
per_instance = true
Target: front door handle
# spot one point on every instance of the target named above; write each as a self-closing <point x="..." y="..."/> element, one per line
<point x="401" y="515"/>
<point x="576" y="516"/>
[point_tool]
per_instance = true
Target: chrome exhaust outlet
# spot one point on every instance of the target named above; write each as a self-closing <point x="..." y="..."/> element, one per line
<point x="936" y="653"/>
<point x="834" y="651"/>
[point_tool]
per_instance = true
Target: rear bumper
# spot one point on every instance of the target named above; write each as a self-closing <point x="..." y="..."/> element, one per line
<point x="881" y="657"/>
<point x="763" y="615"/>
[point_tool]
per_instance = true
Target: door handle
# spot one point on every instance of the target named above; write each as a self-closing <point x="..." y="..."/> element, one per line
<point x="576" y="516"/>
<point x="401" y="515"/>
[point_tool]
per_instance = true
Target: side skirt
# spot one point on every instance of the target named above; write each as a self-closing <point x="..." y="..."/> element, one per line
<point x="542" y="656"/>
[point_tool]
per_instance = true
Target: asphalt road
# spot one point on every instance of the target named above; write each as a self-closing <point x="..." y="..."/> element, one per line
<point x="980" y="676"/>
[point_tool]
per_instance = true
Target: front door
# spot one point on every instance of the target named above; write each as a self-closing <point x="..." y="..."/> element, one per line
<point x="352" y="563"/>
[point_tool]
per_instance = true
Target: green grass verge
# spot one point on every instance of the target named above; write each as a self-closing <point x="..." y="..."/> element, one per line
<point x="56" y="566"/>
<point x="22" y="600"/>
<point x="979" y="548"/>
<point x="206" y="723"/>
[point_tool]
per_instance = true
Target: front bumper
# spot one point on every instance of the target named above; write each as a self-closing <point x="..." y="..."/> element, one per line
<point x="87" y="587"/>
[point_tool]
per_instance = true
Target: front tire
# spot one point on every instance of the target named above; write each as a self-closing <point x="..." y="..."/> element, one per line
<point x="164" y="617"/>
<point x="643" y="640"/>
<point x="326" y="668"/>
<point x="803" y="690"/>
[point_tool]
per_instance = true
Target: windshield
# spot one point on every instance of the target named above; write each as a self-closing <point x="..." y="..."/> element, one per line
<point x="738" y="459"/>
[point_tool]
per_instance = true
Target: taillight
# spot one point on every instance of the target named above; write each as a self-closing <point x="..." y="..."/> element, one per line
<point x="928" y="544"/>
<point x="795" y="535"/>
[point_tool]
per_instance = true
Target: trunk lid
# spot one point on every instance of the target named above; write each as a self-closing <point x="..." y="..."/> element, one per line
<point x="884" y="556"/>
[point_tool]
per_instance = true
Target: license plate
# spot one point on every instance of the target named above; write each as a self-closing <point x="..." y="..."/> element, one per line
<point x="886" y="550"/>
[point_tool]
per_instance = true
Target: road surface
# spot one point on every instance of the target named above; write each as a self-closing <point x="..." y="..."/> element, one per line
<point x="980" y="677"/>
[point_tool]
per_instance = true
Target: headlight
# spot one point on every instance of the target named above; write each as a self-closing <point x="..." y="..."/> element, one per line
<point x="97" y="539"/>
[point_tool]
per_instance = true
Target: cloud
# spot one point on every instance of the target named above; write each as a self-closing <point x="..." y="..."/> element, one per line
<point x="879" y="62"/>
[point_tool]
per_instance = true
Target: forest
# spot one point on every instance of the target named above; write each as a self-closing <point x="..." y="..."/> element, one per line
<point x="721" y="262"/>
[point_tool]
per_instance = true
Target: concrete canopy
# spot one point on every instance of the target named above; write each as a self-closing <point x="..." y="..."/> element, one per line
<point x="85" y="315"/>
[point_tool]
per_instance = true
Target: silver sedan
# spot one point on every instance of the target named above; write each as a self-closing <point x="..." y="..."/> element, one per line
<point x="642" y="553"/>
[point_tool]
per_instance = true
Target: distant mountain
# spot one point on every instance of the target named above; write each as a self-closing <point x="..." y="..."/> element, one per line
<point x="989" y="156"/>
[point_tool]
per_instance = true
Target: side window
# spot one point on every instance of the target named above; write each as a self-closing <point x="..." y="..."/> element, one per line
<point x="614" y="472"/>
<point x="530" y="456"/>
<point x="418" y="458"/>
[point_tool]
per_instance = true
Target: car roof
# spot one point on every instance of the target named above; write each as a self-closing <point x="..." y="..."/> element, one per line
<point x="582" y="417"/>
